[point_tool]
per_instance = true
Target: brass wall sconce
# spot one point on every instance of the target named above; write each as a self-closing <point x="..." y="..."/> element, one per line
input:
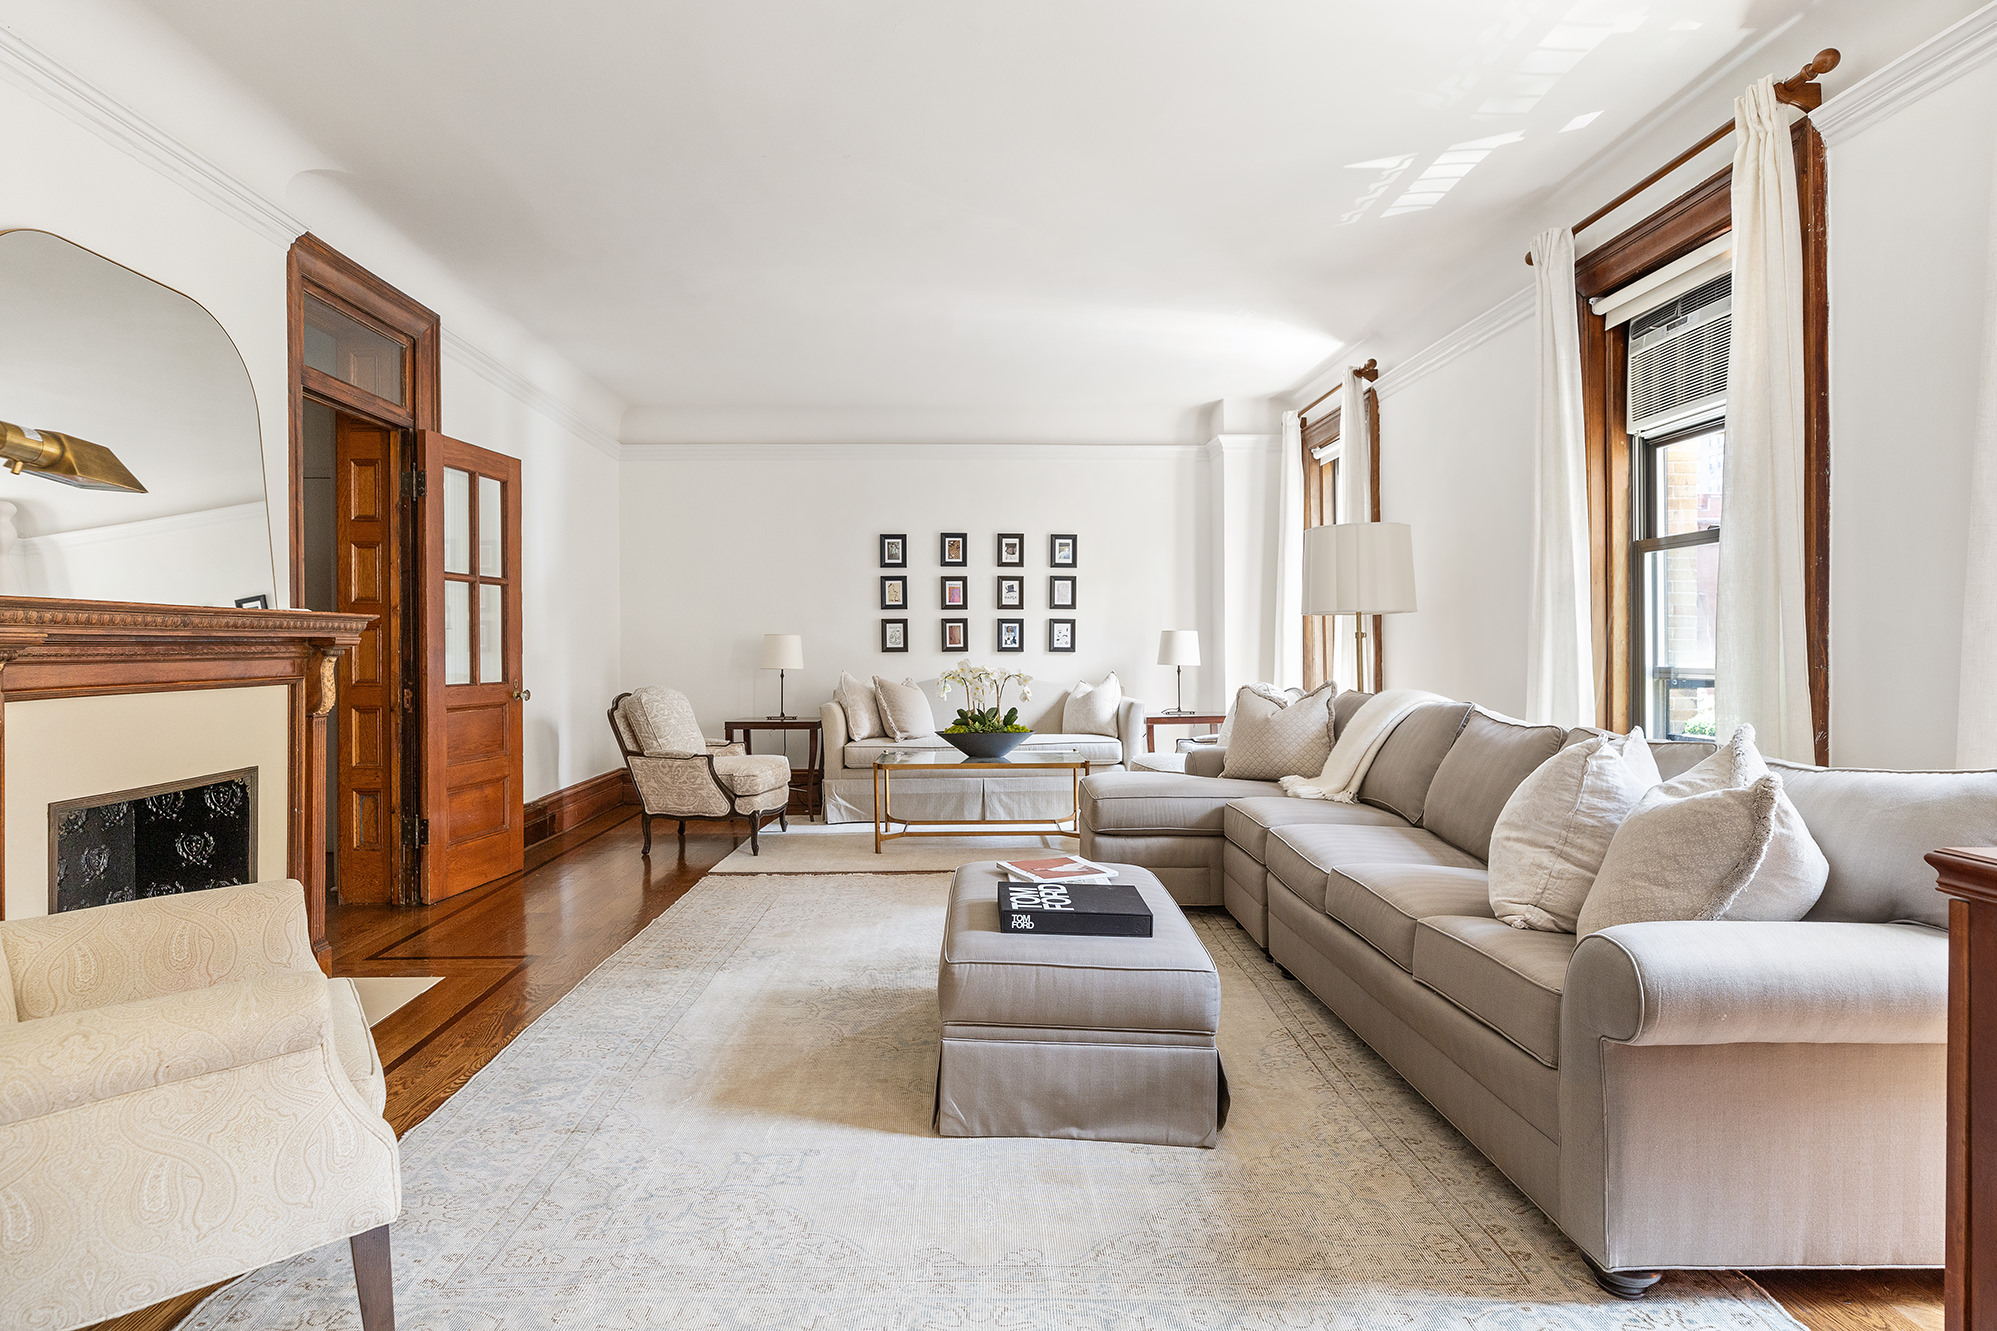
<point x="64" y="458"/>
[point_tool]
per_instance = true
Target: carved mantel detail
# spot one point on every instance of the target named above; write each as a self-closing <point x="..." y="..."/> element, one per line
<point x="62" y="649"/>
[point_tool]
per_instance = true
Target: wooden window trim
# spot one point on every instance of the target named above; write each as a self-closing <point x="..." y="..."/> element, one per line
<point x="1701" y="214"/>
<point x="1318" y="648"/>
<point x="316" y="268"/>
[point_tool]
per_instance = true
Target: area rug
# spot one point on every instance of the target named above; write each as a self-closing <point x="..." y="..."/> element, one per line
<point x="727" y="1125"/>
<point x="849" y="848"/>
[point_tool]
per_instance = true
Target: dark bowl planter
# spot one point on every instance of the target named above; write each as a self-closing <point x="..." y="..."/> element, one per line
<point x="992" y="744"/>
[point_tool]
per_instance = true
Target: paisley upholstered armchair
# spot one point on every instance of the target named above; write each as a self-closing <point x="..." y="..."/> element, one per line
<point x="183" y="1097"/>
<point x="681" y="774"/>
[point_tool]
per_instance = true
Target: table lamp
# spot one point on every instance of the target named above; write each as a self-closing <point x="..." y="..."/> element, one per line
<point x="781" y="652"/>
<point x="1179" y="648"/>
<point x="1359" y="569"/>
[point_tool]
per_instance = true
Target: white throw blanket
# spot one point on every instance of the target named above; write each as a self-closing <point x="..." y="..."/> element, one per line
<point x="1345" y="767"/>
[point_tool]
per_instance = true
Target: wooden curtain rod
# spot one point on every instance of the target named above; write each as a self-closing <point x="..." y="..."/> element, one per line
<point x="1801" y="91"/>
<point x="1369" y="372"/>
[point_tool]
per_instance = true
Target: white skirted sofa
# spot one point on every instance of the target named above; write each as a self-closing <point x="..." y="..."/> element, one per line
<point x="848" y="770"/>
<point x="183" y="1097"/>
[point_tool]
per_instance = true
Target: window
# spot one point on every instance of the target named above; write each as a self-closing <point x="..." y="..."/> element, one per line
<point x="1675" y="479"/>
<point x="1321" y="457"/>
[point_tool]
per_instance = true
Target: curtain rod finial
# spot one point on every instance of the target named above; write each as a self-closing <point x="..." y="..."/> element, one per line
<point x="1370" y="370"/>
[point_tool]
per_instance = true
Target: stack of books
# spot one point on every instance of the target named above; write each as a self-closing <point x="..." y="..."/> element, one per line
<point x="1066" y="894"/>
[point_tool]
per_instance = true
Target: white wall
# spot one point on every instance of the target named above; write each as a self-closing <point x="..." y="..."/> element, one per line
<point x="1456" y="466"/>
<point x="719" y="549"/>
<point x="126" y="142"/>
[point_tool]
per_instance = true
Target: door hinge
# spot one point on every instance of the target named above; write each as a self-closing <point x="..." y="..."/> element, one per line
<point x="415" y="831"/>
<point x="415" y="483"/>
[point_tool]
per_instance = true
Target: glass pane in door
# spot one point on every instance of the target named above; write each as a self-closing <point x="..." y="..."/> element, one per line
<point x="491" y="529"/>
<point x="457" y="633"/>
<point x="491" y="633"/>
<point x="457" y="521"/>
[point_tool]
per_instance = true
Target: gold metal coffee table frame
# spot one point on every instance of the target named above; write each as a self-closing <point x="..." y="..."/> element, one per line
<point x="947" y="762"/>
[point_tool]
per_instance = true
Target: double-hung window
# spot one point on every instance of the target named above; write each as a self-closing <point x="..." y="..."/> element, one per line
<point x="1677" y="426"/>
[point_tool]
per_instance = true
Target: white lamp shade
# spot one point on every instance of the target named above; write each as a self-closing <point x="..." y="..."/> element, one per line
<point x="1179" y="647"/>
<point x="1359" y="568"/>
<point x="783" y="651"/>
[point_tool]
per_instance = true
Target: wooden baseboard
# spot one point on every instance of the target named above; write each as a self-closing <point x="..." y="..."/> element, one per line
<point x="571" y="806"/>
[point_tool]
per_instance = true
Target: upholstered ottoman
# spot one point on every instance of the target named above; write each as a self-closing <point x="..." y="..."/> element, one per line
<point x="1046" y="1035"/>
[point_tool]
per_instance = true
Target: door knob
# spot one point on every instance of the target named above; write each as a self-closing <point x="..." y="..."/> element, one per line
<point x="522" y="695"/>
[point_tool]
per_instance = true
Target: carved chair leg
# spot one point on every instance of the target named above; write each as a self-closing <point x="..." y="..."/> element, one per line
<point x="374" y="1276"/>
<point x="646" y="819"/>
<point x="755" y="820"/>
<point x="783" y="819"/>
<point x="682" y="834"/>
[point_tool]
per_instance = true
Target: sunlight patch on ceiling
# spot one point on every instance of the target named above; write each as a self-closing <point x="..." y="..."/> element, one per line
<point x="1582" y="121"/>
<point x="1389" y="170"/>
<point x="1447" y="171"/>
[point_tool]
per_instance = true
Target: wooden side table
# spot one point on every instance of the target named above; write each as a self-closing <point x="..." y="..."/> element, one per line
<point x="807" y="784"/>
<point x="1969" y="1292"/>
<point x="1151" y="723"/>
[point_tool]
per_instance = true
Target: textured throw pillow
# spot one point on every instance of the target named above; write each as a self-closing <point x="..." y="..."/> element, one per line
<point x="1275" y="737"/>
<point x="904" y="709"/>
<point x="1276" y="695"/>
<point x="1091" y="708"/>
<point x="1721" y="842"/>
<point x="1550" y="839"/>
<point x="664" y="724"/>
<point x="856" y="698"/>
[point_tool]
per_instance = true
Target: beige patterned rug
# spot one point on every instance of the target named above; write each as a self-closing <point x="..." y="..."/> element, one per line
<point x="727" y="1126"/>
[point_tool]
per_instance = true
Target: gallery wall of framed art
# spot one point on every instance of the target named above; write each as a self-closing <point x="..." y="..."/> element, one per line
<point x="1011" y="593"/>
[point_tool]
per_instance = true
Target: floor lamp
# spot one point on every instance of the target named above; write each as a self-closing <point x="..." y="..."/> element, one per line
<point x="1359" y="569"/>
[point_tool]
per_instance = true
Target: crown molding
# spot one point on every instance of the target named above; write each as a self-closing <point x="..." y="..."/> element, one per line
<point x="1223" y="444"/>
<point x="1507" y="313"/>
<point x="1929" y="67"/>
<point x="495" y="372"/>
<point x="909" y="452"/>
<point x="50" y="81"/>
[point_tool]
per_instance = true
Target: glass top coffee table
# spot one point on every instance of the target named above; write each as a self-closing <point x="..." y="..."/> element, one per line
<point x="891" y="765"/>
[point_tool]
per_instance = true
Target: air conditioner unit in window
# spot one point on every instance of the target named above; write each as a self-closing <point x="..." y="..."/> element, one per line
<point x="1678" y="358"/>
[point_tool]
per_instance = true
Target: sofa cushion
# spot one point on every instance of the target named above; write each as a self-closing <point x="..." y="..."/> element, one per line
<point x="1091" y="709"/>
<point x="1509" y="979"/>
<point x="1482" y="769"/>
<point x="1162" y="803"/>
<point x="856" y="699"/>
<point x="1403" y="769"/>
<point x="753" y="774"/>
<point x="1247" y="822"/>
<point x="1875" y="827"/>
<point x="1274" y="738"/>
<point x="661" y="720"/>
<point x="1306" y="858"/>
<point x="860" y="754"/>
<point x="904" y="709"/>
<point x="1345" y="707"/>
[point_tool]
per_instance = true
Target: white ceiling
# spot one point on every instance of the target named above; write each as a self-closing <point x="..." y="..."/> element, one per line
<point x="818" y="210"/>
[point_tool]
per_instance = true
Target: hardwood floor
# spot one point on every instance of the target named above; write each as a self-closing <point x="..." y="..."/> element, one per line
<point x="508" y="951"/>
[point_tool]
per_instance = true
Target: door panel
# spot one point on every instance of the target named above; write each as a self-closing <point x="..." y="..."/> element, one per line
<point x="369" y="710"/>
<point x="468" y="616"/>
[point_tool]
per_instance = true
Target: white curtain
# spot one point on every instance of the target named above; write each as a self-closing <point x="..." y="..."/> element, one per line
<point x="1560" y="645"/>
<point x="1290" y="554"/>
<point x="1355" y="504"/>
<point x="1763" y="646"/>
<point x="1976" y="700"/>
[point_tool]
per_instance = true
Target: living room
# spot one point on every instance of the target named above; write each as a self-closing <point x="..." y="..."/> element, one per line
<point x="569" y="472"/>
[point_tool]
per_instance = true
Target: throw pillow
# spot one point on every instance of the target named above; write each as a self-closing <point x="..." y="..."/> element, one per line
<point x="1720" y="842"/>
<point x="1274" y="694"/>
<point x="856" y="698"/>
<point x="1091" y="708"/>
<point x="1275" y="737"/>
<point x="1550" y="839"/>
<point x="904" y="709"/>
<point x="664" y="723"/>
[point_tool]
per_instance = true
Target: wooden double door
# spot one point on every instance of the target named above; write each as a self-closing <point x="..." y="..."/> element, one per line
<point x="429" y="769"/>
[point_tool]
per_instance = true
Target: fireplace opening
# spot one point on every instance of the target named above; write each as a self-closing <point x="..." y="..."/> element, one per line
<point x="185" y="836"/>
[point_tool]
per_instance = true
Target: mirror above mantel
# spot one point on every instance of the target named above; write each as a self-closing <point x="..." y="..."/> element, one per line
<point x="93" y="350"/>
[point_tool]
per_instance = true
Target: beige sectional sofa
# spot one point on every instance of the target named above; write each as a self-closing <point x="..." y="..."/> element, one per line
<point x="848" y="763"/>
<point x="1673" y="1095"/>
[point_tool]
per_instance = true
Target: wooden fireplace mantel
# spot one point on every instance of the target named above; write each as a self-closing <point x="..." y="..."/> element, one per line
<point x="68" y="649"/>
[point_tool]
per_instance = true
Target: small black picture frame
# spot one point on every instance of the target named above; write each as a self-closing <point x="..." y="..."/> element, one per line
<point x="1011" y="594"/>
<point x="1060" y="635"/>
<point x="258" y="602"/>
<point x="894" y="635"/>
<point x="1060" y="591"/>
<point x="1012" y="549"/>
<point x="954" y="549"/>
<point x="1062" y="551"/>
<point x="1011" y="636"/>
<point x="956" y="635"/>
<point x="894" y="591"/>
<point x="894" y="550"/>
<point x="956" y="592"/>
